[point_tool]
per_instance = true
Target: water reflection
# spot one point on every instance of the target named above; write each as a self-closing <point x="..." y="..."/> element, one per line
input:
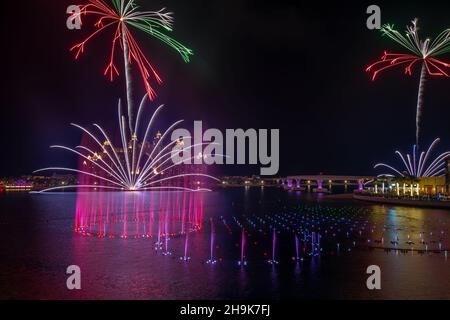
<point x="261" y="229"/>
<point x="138" y="214"/>
<point x="322" y="249"/>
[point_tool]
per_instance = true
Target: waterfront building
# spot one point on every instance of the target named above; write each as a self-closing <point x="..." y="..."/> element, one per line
<point x="433" y="185"/>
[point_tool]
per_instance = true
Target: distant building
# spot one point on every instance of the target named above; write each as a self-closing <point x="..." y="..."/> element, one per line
<point x="19" y="185"/>
<point x="53" y="181"/>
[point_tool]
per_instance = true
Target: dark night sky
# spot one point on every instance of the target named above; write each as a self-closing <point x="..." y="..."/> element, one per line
<point x="265" y="64"/>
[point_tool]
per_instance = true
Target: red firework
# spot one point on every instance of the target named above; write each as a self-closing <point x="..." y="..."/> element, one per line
<point x="121" y="16"/>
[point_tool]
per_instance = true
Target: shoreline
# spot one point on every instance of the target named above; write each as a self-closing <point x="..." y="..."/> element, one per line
<point x="404" y="202"/>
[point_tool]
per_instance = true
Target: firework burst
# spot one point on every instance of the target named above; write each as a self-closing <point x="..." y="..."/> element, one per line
<point x="136" y="165"/>
<point x="422" y="53"/>
<point x="122" y="16"/>
<point x="416" y="165"/>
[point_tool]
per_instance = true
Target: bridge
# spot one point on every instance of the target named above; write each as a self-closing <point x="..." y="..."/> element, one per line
<point x="300" y="181"/>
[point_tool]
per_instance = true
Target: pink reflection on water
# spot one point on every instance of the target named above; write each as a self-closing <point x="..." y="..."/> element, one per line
<point x="138" y="214"/>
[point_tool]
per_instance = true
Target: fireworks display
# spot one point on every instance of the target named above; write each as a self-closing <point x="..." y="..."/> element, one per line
<point x="421" y="52"/>
<point x="136" y="165"/>
<point x="416" y="165"/>
<point x="122" y="15"/>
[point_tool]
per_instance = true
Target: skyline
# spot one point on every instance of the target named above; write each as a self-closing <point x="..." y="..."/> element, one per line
<point x="257" y="75"/>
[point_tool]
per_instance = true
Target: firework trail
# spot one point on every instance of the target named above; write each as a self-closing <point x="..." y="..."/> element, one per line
<point x="422" y="53"/>
<point x="136" y="165"/>
<point x="417" y="166"/>
<point x="121" y="17"/>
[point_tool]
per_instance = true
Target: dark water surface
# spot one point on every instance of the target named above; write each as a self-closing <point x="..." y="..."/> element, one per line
<point x="38" y="243"/>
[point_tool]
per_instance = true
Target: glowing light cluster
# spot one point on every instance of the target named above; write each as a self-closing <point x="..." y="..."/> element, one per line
<point x="416" y="166"/>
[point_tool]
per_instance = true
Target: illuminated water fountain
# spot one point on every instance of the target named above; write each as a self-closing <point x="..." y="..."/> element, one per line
<point x="274" y="245"/>
<point x="211" y="254"/>
<point x="121" y="214"/>
<point x="242" y="262"/>
<point x="186" y="244"/>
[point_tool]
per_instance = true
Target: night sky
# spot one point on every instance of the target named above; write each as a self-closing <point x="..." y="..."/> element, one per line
<point x="262" y="64"/>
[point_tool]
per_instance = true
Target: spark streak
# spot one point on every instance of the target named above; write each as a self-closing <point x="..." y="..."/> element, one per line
<point x="419" y="169"/>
